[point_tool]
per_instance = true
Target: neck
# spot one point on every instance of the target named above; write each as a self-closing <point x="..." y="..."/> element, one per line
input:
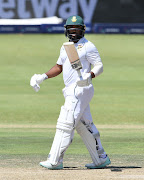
<point x="74" y="41"/>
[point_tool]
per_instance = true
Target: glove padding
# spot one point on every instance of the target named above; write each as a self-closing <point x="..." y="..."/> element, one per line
<point x="36" y="80"/>
<point x="87" y="80"/>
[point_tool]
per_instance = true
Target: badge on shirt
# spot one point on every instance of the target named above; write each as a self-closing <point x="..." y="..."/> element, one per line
<point x="79" y="47"/>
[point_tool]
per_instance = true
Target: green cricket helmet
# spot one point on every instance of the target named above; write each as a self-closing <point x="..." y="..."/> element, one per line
<point x="74" y="28"/>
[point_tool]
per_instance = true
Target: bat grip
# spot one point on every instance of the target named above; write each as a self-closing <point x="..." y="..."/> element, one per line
<point x="79" y="74"/>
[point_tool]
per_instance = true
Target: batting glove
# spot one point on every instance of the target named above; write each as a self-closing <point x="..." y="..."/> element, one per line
<point x="87" y="80"/>
<point x="36" y="80"/>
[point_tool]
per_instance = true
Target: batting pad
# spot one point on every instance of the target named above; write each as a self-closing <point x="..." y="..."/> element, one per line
<point x="89" y="141"/>
<point x="63" y="137"/>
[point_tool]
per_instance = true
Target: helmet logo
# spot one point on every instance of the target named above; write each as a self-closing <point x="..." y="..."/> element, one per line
<point x="74" y="19"/>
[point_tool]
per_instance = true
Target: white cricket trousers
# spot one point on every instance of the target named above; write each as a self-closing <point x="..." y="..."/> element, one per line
<point x="78" y="99"/>
<point x="76" y="108"/>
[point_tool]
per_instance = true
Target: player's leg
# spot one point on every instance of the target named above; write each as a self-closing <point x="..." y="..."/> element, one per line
<point x="70" y="114"/>
<point x="63" y="137"/>
<point x="84" y="96"/>
<point x="88" y="123"/>
<point x="90" y="142"/>
<point x="82" y="110"/>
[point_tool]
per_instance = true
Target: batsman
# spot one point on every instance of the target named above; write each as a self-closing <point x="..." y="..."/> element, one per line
<point x="80" y="62"/>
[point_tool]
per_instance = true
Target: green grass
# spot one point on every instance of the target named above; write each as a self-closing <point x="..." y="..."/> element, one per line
<point x="26" y="141"/>
<point x="118" y="99"/>
<point x="27" y="146"/>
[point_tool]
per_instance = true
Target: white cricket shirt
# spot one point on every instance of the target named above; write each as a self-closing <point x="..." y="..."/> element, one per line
<point x="88" y="55"/>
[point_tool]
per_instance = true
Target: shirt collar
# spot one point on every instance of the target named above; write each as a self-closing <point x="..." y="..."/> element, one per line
<point x="80" y="41"/>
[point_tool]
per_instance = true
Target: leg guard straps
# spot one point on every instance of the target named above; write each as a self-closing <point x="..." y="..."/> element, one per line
<point x="97" y="138"/>
<point x="89" y="141"/>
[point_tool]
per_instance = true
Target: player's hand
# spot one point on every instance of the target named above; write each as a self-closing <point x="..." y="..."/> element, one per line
<point x="36" y="80"/>
<point x="87" y="79"/>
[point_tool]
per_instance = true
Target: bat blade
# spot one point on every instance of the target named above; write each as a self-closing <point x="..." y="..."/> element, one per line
<point x="72" y="55"/>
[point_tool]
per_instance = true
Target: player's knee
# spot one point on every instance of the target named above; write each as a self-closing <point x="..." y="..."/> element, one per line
<point x="80" y="128"/>
<point x="66" y="120"/>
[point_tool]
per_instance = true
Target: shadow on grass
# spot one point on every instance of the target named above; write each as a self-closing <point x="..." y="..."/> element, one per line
<point x="120" y="168"/>
<point x="112" y="168"/>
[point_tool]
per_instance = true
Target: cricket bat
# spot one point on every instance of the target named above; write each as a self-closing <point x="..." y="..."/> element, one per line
<point x="73" y="57"/>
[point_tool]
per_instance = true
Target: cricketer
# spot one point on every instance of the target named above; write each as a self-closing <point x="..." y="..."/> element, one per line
<point x="75" y="113"/>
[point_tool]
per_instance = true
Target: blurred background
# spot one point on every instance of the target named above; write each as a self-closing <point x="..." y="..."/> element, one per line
<point x="100" y="16"/>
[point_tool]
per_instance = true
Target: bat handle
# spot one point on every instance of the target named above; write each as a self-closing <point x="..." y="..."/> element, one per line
<point x="79" y="74"/>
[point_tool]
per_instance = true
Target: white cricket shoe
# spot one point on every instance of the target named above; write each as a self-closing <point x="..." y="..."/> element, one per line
<point x="105" y="161"/>
<point x="48" y="165"/>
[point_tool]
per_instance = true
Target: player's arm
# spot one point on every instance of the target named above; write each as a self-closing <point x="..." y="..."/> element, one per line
<point x="97" y="69"/>
<point x="54" y="71"/>
<point x="37" y="79"/>
<point x="92" y="74"/>
<point x="94" y="58"/>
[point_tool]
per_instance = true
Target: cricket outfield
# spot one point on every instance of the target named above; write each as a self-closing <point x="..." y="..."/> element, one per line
<point x="28" y="119"/>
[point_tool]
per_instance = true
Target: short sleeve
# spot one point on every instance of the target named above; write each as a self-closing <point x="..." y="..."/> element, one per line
<point x="92" y="53"/>
<point x="60" y="59"/>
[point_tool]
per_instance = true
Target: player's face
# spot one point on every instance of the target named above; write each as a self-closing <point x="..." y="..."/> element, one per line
<point x="75" y="32"/>
<point x="74" y="29"/>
